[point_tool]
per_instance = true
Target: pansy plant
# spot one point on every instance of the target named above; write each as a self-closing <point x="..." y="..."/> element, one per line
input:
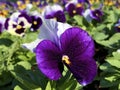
<point x="60" y="44"/>
<point x="18" y="23"/>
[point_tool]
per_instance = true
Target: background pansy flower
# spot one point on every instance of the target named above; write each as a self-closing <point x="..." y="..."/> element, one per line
<point x="74" y="8"/>
<point x="36" y="23"/>
<point x="40" y="3"/>
<point x="21" y="5"/>
<point x="75" y="50"/>
<point x="91" y="14"/>
<point x="54" y="11"/>
<point x="96" y="14"/>
<point x="18" y="23"/>
<point x="4" y="10"/>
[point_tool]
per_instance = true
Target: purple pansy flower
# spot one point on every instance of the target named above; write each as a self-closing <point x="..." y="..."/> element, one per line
<point x="36" y="23"/>
<point x="17" y="23"/>
<point x="75" y="49"/>
<point x="95" y="14"/>
<point x="55" y="11"/>
<point x="117" y="26"/>
<point x="74" y="8"/>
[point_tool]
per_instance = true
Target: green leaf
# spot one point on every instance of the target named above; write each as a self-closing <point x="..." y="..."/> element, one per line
<point x="26" y="65"/>
<point x="48" y="87"/>
<point x="116" y="55"/>
<point x="119" y="87"/>
<point x="100" y="36"/>
<point x="105" y="83"/>
<point x="18" y="88"/>
<point x="5" y="78"/>
<point x="79" y="19"/>
<point x="111" y="42"/>
<point x="113" y="62"/>
<point x="29" y="37"/>
<point x="106" y="67"/>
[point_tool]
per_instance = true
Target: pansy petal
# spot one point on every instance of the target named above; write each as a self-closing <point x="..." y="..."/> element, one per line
<point x="76" y="42"/>
<point x="0" y="28"/>
<point x="48" y="58"/>
<point x="62" y="27"/>
<point x="86" y="14"/>
<point x="31" y="46"/>
<point x="48" y="30"/>
<point x="84" y="70"/>
<point x="47" y="12"/>
<point x="60" y="16"/>
<point x="56" y="7"/>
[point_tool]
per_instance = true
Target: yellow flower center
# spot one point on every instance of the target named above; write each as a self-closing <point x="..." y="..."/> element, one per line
<point x="65" y="59"/>
<point x="78" y="5"/>
<point x="4" y="13"/>
<point x="55" y="1"/>
<point x="19" y="26"/>
<point x="35" y="22"/>
<point x="74" y="11"/>
<point x="118" y="26"/>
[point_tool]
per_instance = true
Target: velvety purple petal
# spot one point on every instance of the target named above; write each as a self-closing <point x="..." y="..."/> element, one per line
<point x="83" y="1"/>
<point x="76" y="42"/>
<point x="49" y="16"/>
<point x="84" y="70"/>
<point x="48" y="13"/>
<point x="6" y="23"/>
<point x="0" y="27"/>
<point x="79" y="10"/>
<point x="60" y="16"/>
<point x="20" y="31"/>
<point x="27" y="17"/>
<point x="48" y="58"/>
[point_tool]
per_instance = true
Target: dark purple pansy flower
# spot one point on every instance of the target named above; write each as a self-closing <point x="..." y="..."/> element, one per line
<point x="96" y="14"/>
<point x="75" y="49"/>
<point x="36" y="23"/>
<point x="74" y="8"/>
<point x="117" y="26"/>
<point x="17" y="23"/>
<point x="55" y="11"/>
